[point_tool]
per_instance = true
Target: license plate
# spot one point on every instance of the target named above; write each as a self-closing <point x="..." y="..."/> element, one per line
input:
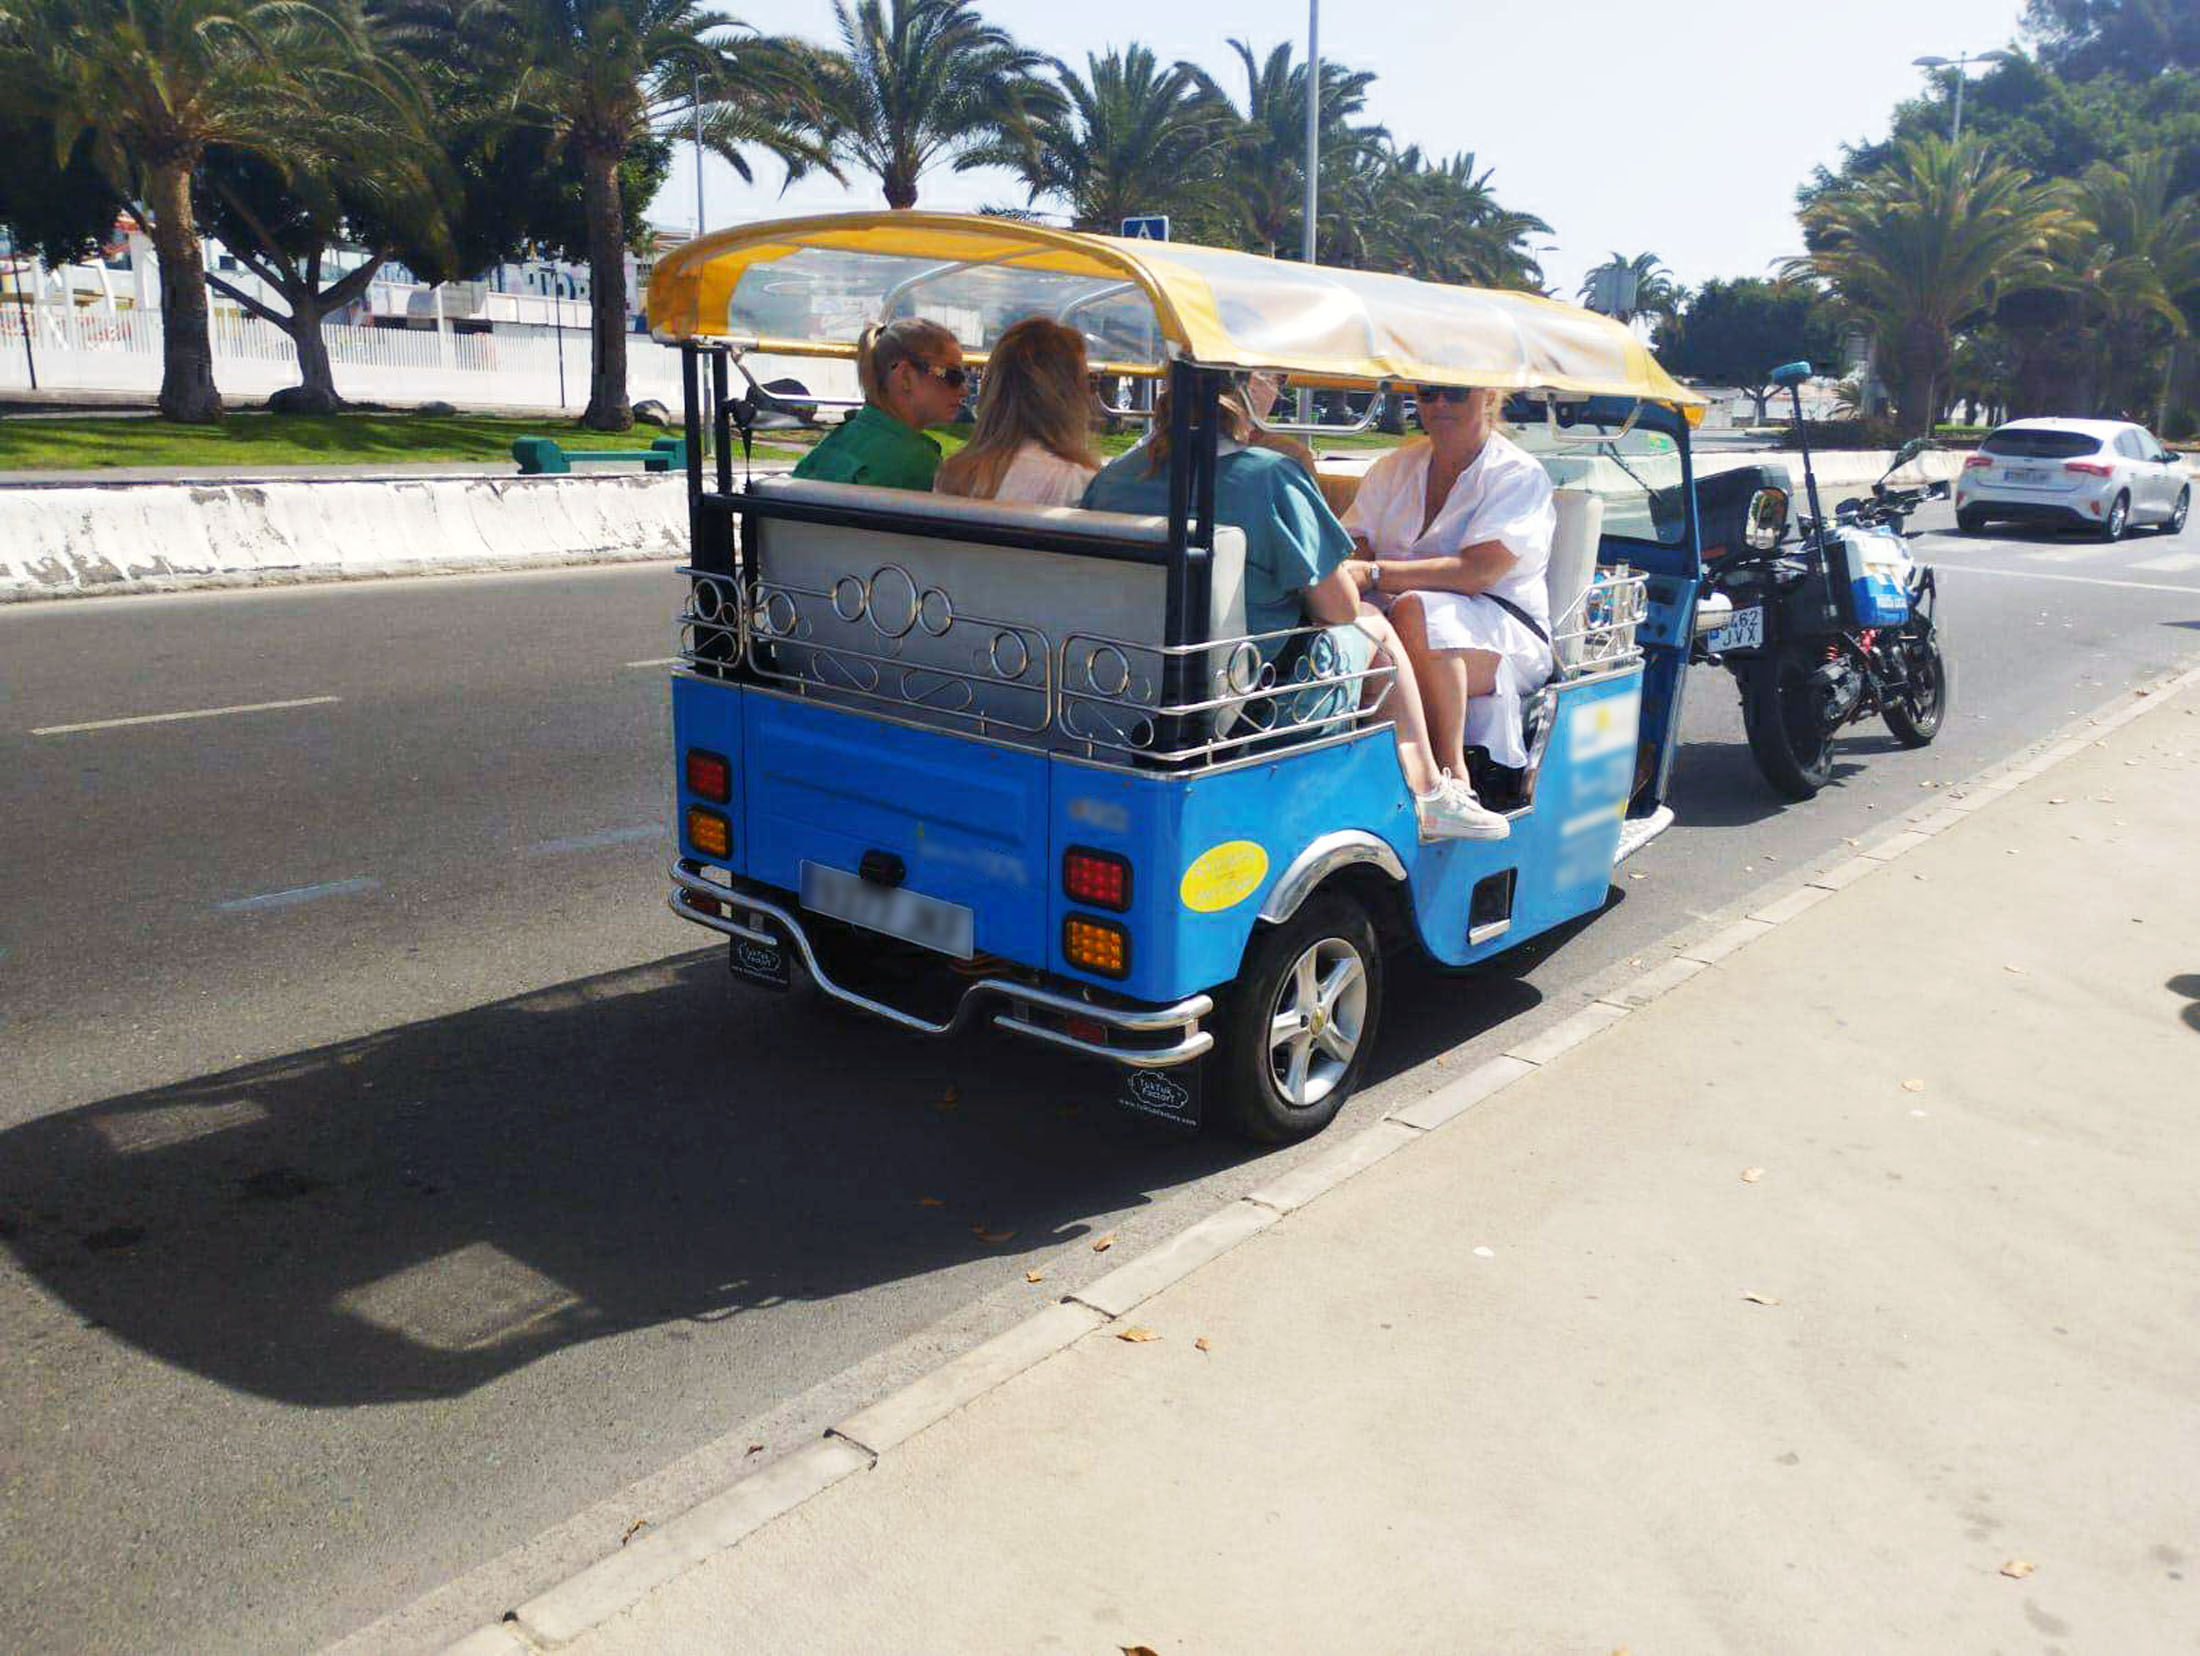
<point x="1746" y="631"/>
<point x="2024" y="474"/>
<point x="927" y="922"/>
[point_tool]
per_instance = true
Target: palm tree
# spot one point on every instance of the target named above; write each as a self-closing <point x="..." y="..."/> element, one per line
<point x="1267" y="166"/>
<point x="1924" y="245"/>
<point x="1125" y="138"/>
<point x="922" y="81"/>
<point x="599" y="77"/>
<point x="1442" y="222"/>
<point x="2138" y="274"/>
<point x="149" y="86"/>
<point x="1645" y="287"/>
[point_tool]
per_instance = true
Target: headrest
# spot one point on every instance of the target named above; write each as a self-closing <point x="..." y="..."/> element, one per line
<point x="961" y="509"/>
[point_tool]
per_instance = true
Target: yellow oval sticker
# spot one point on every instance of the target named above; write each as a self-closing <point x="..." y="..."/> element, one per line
<point x="1223" y="876"/>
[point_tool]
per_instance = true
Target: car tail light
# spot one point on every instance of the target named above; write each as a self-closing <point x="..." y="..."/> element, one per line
<point x="1100" y="879"/>
<point x="1097" y="946"/>
<point x="708" y="774"/>
<point x="1977" y="462"/>
<point x="2091" y="468"/>
<point x="709" y="832"/>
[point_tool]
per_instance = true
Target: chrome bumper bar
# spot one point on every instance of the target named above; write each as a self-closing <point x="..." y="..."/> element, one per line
<point x="1180" y="1020"/>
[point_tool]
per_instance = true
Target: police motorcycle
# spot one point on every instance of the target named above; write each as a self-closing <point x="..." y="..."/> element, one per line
<point x="955" y="763"/>
<point x="1827" y="630"/>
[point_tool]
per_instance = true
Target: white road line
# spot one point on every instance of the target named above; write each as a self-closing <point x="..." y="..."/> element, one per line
<point x="2172" y="563"/>
<point x="196" y="713"/>
<point x="2074" y="580"/>
<point x="660" y="661"/>
<point x="600" y="841"/>
<point x="357" y="886"/>
<point x="2069" y="554"/>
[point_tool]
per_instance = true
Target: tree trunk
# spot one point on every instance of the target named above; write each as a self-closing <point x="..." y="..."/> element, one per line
<point x="315" y="392"/>
<point x="901" y="187"/>
<point x="608" y="408"/>
<point x="1391" y="421"/>
<point x="187" y="350"/>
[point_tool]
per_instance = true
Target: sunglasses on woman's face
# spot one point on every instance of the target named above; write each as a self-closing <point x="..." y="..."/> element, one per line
<point x="1445" y="393"/>
<point x="955" y="378"/>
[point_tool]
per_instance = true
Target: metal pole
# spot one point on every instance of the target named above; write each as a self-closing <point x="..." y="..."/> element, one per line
<point x="698" y="152"/>
<point x="1955" y="135"/>
<point x="557" y="328"/>
<point x="1313" y="157"/>
<point x="30" y="356"/>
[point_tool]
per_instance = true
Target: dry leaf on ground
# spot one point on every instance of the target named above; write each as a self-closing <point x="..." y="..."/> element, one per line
<point x="1138" y="1336"/>
<point x="1138" y="1650"/>
<point x="930" y="1201"/>
<point x="2019" y="970"/>
<point x="1913" y="1085"/>
<point x="1035" y="1276"/>
<point x="1750" y="1175"/>
<point x="633" y="1530"/>
<point x="1105" y="1243"/>
<point x="1762" y="1299"/>
<point x="2017" y="1569"/>
<point x="984" y="1235"/>
<point x="1202" y="1344"/>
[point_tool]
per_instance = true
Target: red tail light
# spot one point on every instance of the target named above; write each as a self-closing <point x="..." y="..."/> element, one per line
<point x="708" y="774"/>
<point x="2091" y="468"/>
<point x="1976" y="461"/>
<point x="1098" y="879"/>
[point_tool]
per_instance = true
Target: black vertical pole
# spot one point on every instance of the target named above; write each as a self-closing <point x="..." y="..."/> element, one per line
<point x="691" y="396"/>
<point x="30" y="356"/>
<point x="722" y="432"/>
<point x="1192" y="437"/>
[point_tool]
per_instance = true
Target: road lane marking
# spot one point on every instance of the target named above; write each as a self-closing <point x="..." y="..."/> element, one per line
<point x="2173" y="563"/>
<point x="358" y="885"/>
<point x="598" y="842"/>
<point x="2074" y="580"/>
<point x="195" y="713"/>
<point x="2069" y="554"/>
<point x="659" y="661"/>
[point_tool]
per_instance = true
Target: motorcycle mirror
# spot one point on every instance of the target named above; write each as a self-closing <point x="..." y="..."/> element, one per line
<point x="1767" y="520"/>
<point x="1790" y="374"/>
<point x="1908" y="451"/>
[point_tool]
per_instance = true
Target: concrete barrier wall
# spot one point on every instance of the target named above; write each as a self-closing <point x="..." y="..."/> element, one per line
<point x="73" y="541"/>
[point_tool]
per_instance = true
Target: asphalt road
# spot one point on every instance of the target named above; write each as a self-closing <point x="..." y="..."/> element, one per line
<point x="386" y="1178"/>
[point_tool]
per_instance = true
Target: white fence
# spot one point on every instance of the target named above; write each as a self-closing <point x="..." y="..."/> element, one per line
<point x="83" y="348"/>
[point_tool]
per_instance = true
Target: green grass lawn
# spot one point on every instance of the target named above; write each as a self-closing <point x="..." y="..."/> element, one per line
<point x="41" y="444"/>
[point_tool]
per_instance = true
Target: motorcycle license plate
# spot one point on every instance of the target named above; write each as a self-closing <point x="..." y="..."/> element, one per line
<point x="1746" y="631"/>
<point x="914" y="918"/>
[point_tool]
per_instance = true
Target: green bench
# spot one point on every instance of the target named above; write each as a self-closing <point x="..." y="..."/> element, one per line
<point x="546" y="457"/>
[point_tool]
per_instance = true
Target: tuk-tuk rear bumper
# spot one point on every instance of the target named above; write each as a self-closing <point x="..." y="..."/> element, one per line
<point x="1175" y="1027"/>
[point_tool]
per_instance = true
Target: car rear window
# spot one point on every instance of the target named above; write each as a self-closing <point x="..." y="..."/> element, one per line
<point x="2035" y="444"/>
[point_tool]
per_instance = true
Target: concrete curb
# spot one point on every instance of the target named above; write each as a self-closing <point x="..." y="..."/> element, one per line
<point x="614" y="1584"/>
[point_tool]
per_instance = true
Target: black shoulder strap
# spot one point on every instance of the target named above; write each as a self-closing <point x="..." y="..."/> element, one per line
<point x="1522" y="616"/>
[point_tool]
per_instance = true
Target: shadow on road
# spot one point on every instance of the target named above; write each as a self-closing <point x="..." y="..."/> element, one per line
<point x="412" y="1214"/>
<point x="1718" y="784"/>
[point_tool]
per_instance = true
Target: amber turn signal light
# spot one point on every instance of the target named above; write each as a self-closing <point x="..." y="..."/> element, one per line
<point x="1097" y="946"/>
<point x="709" y="832"/>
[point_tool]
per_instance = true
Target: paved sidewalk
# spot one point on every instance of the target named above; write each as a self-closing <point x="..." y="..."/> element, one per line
<point x="1841" y="1299"/>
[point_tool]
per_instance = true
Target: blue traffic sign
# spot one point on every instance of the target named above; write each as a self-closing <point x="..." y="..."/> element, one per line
<point x="1152" y="227"/>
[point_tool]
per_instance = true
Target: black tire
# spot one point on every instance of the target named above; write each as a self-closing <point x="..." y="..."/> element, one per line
<point x="1328" y="928"/>
<point x="1970" y="523"/>
<point x="1787" y="735"/>
<point x="2174" y="524"/>
<point x="1916" y="718"/>
<point x="2118" y="519"/>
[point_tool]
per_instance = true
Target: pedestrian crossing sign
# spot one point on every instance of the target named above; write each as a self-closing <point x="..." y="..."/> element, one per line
<point x="1151" y="227"/>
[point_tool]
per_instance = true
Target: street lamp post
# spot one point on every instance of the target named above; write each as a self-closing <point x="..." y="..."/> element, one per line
<point x="1958" y="63"/>
<point x="1313" y="157"/>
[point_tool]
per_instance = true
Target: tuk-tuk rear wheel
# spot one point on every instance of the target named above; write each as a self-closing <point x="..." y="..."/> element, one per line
<point x="1294" y="1036"/>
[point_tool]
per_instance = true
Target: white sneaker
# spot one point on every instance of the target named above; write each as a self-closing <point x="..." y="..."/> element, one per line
<point x="1452" y="812"/>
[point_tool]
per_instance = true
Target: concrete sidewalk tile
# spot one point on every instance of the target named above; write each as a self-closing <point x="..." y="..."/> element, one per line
<point x="1140" y="1279"/>
<point x="1844" y="874"/>
<point x="1646" y="987"/>
<point x="1794" y="903"/>
<point x="1725" y="941"/>
<point x="1567" y="1033"/>
<point x="658" y="1556"/>
<point x="1449" y="1102"/>
<point x="932" y="1397"/>
<point x="2061" y="751"/>
<point x="1331" y="1168"/>
<point x="1937" y="822"/>
<point x="1893" y="846"/>
<point x="497" y="1639"/>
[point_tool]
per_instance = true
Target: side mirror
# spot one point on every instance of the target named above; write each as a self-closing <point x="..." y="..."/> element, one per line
<point x="1909" y="451"/>
<point x="1767" y="520"/>
<point x="1790" y="374"/>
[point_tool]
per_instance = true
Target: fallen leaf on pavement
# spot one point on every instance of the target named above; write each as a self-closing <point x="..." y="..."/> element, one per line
<point x="930" y="1201"/>
<point x="1636" y="875"/>
<point x="2058" y="800"/>
<point x="1201" y="1344"/>
<point x="1035" y="1276"/>
<point x="2017" y="1569"/>
<point x="1138" y="1650"/>
<point x="1913" y="1086"/>
<point x="2019" y="970"/>
<point x="1138" y="1336"/>
<point x="1762" y="1299"/>
<point x="1750" y="1175"/>
<point x="754" y="1449"/>
<point x="1105" y="1243"/>
<point x="984" y="1235"/>
<point x="639" y="1524"/>
<point x="950" y="1096"/>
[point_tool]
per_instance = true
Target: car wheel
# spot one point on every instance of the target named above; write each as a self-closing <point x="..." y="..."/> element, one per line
<point x="2174" y="524"/>
<point x="2118" y="519"/>
<point x="1299" y="1024"/>
<point x="1970" y="523"/>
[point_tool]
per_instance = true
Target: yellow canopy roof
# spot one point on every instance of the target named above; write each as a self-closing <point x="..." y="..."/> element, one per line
<point x="809" y="286"/>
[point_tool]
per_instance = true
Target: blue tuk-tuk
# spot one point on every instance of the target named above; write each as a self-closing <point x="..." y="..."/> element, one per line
<point x="955" y="761"/>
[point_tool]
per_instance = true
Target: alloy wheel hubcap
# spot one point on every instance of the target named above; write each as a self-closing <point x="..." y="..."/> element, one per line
<point x="1314" y="1029"/>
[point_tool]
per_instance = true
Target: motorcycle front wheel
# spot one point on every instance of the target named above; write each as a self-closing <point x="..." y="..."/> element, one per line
<point x="1782" y="714"/>
<point x="1916" y="712"/>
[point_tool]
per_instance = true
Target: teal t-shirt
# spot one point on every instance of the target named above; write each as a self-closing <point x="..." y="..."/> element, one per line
<point x="873" y="447"/>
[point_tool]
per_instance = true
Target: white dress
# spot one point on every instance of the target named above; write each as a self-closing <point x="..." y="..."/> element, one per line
<point x="1040" y="477"/>
<point x="1504" y="496"/>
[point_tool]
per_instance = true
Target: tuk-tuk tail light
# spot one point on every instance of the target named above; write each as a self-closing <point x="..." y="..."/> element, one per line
<point x="709" y="832"/>
<point x="1101" y="947"/>
<point x="709" y="775"/>
<point x="1098" y="879"/>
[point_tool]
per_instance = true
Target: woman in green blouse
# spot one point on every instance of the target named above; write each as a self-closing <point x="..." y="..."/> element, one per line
<point x="913" y="376"/>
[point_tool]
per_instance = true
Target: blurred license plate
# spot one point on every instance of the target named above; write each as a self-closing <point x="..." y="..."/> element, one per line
<point x="1745" y="632"/>
<point x="925" y="921"/>
<point x="2024" y="474"/>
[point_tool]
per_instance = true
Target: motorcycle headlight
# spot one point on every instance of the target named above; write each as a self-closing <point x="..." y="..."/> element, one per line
<point x="1768" y="517"/>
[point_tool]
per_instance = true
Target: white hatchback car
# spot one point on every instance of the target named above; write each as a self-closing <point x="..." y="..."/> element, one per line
<point x="2104" y="475"/>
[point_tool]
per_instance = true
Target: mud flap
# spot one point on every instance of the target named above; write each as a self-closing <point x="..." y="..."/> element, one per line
<point x="1171" y="1095"/>
<point x="764" y="964"/>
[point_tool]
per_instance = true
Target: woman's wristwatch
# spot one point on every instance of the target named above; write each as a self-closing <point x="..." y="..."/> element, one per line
<point x="1374" y="574"/>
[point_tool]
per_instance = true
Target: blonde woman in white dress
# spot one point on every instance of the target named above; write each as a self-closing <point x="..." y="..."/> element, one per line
<point x="1454" y="532"/>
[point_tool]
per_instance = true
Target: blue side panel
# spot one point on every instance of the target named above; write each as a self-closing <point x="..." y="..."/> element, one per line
<point x="707" y="715"/>
<point x="1562" y="850"/>
<point x="1165" y="827"/>
<point x="968" y="818"/>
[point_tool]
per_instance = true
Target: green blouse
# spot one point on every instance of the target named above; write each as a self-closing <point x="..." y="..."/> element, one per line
<point x="873" y="447"/>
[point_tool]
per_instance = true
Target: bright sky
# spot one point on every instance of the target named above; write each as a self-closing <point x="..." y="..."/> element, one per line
<point x="1682" y="128"/>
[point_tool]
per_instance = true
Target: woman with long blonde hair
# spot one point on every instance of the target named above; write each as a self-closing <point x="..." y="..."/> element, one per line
<point x="1033" y="442"/>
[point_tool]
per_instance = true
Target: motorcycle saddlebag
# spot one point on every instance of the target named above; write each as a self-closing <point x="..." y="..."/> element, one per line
<point x="1869" y="590"/>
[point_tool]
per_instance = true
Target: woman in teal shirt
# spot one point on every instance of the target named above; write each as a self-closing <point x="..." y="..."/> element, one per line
<point x="1295" y="553"/>
<point x="913" y="376"/>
